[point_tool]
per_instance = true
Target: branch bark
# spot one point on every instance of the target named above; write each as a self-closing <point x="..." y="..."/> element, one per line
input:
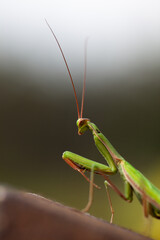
<point x="26" y="216"/>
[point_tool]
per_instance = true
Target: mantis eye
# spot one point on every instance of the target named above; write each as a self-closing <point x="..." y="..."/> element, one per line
<point x="81" y="123"/>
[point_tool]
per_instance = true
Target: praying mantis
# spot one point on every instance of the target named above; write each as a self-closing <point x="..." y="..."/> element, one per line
<point x="134" y="181"/>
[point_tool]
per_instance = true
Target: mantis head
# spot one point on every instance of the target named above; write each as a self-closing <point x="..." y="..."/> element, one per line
<point x="82" y="124"/>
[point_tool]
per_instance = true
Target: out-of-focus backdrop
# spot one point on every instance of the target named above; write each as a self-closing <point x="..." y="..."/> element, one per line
<point x="37" y="106"/>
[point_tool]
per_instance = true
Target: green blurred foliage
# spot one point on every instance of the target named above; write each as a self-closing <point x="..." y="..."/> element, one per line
<point x="37" y="124"/>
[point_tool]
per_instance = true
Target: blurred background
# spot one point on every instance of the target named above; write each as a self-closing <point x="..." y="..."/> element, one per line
<point x="37" y="105"/>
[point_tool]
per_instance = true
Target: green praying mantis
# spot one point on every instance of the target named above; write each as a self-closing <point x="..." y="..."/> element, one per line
<point x="134" y="181"/>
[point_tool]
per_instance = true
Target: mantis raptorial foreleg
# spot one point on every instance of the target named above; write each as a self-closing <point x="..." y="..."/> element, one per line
<point x="80" y="170"/>
<point x="80" y="163"/>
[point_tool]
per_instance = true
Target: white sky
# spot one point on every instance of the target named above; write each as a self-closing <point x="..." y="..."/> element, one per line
<point x="123" y="33"/>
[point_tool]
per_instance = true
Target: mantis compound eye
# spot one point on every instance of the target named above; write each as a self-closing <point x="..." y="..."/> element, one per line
<point x="81" y="122"/>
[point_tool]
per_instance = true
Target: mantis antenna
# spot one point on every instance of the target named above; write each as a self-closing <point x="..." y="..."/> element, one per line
<point x="84" y="81"/>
